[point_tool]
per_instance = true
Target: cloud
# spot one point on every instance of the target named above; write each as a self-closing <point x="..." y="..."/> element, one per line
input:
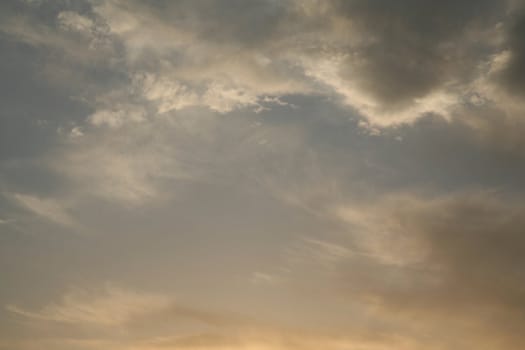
<point x="260" y="155"/>
<point x="70" y="20"/>
<point x="112" y="307"/>
<point x="49" y="209"/>
<point x="395" y="63"/>
<point x="213" y="65"/>
<point x="512" y="75"/>
<point x="411" y="47"/>
<point x="446" y="259"/>
<point x="131" y="320"/>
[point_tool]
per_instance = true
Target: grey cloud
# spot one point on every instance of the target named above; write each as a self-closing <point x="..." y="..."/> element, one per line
<point x="513" y="76"/>
<point x="469" y="266"/>
<point x="251" y="23"/>
<point x="213" y="51"/>
<point x="413" y="47"/>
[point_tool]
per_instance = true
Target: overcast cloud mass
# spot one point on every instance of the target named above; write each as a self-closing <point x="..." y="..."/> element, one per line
<point x="262" y="174"/>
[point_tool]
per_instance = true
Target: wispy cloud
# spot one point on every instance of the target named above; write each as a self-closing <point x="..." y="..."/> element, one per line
<point x="295" y="174"/>
<point x="47" y="208"/>
<point x="111" y="307"/>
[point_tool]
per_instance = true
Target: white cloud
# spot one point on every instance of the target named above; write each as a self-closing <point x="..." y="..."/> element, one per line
<point x="109" y="172"/>
<point x="50" y="209"/>
<point x="166" y="94"/>
<point x="117" y="117"/>
<point x="111" y="306"/>
<point x="73" y="21"/>
<point x="328" y="72"/>
<point x="223" y="98"/>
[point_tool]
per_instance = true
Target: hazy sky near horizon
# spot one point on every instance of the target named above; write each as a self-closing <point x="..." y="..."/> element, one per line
<point x="262" y="174"/>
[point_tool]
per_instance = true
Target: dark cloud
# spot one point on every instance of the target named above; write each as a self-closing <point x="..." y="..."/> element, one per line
<point x="471" y="265"/>
<point x="413" y="47"/>
<point x="250" y="22"/>
<point x="513" y="75"/>
<point x="226" y="22"/>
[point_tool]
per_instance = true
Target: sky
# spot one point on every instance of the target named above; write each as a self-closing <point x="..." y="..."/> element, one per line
<point x="262" y="174"/>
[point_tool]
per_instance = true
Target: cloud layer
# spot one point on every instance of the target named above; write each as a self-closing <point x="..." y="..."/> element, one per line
<point x="261" y="174"/>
